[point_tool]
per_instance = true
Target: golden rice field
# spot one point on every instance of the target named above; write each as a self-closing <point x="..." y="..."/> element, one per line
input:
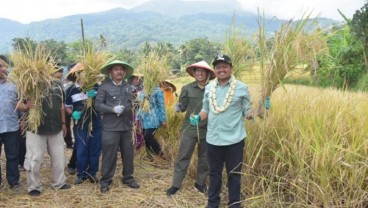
<point x="311" y="150"/>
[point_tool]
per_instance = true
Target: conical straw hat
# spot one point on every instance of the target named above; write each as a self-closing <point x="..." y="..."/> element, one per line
<point x="202" y="65"/>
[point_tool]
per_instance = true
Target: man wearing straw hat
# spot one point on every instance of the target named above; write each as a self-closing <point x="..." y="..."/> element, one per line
<point x="87" y="128"/>
<point x="114" y="101"/>
<point x="190" y="100"/>
<point x="226" y="103"/>
<point x="9" y="126"/>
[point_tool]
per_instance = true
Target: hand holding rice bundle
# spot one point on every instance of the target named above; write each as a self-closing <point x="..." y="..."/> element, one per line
<point x="87" y="74"/>
<point x="32" y="74"/>
<point x="294" y="44"/>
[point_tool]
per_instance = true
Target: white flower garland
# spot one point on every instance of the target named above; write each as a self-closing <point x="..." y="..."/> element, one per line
<point x="229" y="96"/>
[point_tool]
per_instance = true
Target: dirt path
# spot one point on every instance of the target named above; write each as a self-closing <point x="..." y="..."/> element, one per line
<point x="154" y="179"/>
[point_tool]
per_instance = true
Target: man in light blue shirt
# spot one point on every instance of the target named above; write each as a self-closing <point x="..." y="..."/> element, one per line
<point x="9" y="125"/>
<point x="226" y="104"/>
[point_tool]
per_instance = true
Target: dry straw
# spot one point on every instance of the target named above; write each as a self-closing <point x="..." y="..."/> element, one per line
<point x="32" y="74"/>
<point x="295" y="43"/>
<point x="92" y="61"/>
<point x="155" y="70"/>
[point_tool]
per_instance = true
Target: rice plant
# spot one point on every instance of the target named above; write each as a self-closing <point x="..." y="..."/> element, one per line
<point x="240" y="49"/>
<point x="294" y="44"/>
<point x="311" y="151"/>
<point x="32" y="75"/>
<point x="92" y="61"/>
<point x="155" y="70"/>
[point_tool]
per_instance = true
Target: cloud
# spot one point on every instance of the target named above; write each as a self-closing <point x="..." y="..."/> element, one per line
<point x="27" y="11"/>
<point x="294" y="8"/>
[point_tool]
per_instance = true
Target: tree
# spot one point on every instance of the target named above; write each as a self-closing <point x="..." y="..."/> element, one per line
<point x="102" y="42"/>
<point x="22" y="43"/>
<point x="128" y="56"/>
<point x="344" y="64"/>
<point x="359" y="27"/>
<point x="146" y="49"/>
<point x="197" y="50"/>
<point x="58" y="50"/>
<point x="75" y="50"/>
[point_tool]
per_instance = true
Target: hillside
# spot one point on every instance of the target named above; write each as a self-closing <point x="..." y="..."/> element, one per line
<point x="173" y="21"/>
<point x="178" y="8"/>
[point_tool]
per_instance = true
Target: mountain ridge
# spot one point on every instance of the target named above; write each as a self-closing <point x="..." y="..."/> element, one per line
<point x="130" y="28"/>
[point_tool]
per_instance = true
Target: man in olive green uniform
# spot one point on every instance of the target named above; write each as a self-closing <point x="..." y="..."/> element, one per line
<point x="190" y="100"/>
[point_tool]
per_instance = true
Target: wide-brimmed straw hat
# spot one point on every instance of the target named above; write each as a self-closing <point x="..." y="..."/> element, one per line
<point x="137" y="74"/>
<point x="169" y="84"/>
<point x="202" y="65"/>
<point x="76" y="68"/>
<point x="128" y="68"/>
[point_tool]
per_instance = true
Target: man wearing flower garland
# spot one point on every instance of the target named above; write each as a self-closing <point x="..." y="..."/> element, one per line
<point x="226" y="103"/>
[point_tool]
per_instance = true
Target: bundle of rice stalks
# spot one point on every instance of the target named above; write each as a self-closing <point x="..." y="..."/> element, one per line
<point x="2" y="62"/>
<point x="293" y="45"/>
<point x="155" y="69"/>
<point x="239" y="49"/>
<point x="32" y="75"/>
<point x="92" y="61"/>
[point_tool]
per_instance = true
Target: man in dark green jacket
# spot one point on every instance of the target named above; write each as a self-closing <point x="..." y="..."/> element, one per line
<point x="190" y="100"/>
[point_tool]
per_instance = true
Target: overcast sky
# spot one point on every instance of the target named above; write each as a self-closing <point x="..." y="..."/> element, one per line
<point x="26" y="11"/>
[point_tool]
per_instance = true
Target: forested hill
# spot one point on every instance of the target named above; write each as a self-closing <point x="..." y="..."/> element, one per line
<point x="173" y="21"/>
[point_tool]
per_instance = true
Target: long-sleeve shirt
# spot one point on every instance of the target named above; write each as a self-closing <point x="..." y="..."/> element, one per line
<point x="109" y="95"/>
<point x="8" y="112"/>
<point x="227" y="127"/>
<point x="157" y="115"/>
<point x="76" y="99"/>
<point x="191" y="97"/>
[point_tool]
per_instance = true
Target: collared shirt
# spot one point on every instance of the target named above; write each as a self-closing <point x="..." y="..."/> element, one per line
<point x="8" y="112"/>
<point x="110" y="95"/>
<point x="191" y="97"/>
<point x="77" y="99"/>
<point x="227" y="127"/>
<point x="117" y="83"/>
<point x="157" y="115"/>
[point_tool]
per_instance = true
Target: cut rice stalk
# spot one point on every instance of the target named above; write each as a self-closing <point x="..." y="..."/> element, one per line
<point x="32" y="74"/>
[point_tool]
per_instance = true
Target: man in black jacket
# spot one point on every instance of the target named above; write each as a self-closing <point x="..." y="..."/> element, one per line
<point x="114" y="102"/>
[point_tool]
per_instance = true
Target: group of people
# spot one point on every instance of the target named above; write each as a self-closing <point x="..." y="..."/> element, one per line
<point x="214" y="121"/>
<point x="49" y="134"/>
